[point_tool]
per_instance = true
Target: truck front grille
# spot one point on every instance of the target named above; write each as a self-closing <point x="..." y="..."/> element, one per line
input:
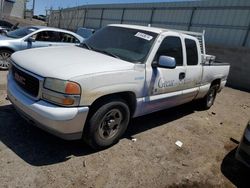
<point x="28" y="83"/>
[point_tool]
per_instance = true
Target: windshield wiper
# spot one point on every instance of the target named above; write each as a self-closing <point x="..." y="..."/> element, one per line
<point x="106" y="52"/>
<point x="85" y="45"/>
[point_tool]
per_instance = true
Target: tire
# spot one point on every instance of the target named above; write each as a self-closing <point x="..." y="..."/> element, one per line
<point x="209" y="99"/>
<point x="107" y="124"/>
<point x="5" y="59"/>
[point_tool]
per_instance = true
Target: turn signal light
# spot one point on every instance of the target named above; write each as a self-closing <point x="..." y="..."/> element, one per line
<point x="72" y="88"/>
<point x="68" y="101"/>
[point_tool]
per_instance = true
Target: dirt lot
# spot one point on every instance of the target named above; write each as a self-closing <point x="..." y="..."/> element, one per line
<point x="30" y="157"/>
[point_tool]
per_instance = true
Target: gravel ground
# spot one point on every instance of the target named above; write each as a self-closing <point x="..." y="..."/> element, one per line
<point x="30" y="157"/>
<point x="3" y="79"/>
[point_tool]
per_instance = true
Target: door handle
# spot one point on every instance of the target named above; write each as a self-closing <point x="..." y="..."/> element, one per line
<point x="50" y="44"/>
<point x="182" y="75"/>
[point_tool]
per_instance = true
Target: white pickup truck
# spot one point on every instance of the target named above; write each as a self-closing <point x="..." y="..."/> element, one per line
<point x="91" y="91"/>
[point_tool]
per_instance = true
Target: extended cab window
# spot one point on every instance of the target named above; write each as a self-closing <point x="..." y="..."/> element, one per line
<point x="171" y="46"/>
<point x="192" y="53"/>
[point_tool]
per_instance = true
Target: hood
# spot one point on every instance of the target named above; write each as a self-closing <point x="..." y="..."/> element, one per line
<point x="67" y="62"/>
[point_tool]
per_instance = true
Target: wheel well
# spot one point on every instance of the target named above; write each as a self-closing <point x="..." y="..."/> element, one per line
<point x="128" y="97"/>
<point x="216" y="82"/>
<point x="5" y="48"/>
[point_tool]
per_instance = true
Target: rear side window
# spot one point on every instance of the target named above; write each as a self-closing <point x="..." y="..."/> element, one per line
<point x="192" y="53"/>
<point x="65" y="37"/>
<point x="171" y="46"/>
<point x="48" y="36"/>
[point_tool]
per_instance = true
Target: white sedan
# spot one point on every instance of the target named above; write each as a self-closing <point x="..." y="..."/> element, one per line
<point x="34" y="37"/>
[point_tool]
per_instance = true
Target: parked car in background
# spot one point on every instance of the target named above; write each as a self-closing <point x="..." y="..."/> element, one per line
<point x="91" y="91"/>
<point x="7" y="26"/>
<point x="85" y="32"/>
<point x="34" y="37"/>
<point x="243" y="151"/>
<point x="40" y="17"/>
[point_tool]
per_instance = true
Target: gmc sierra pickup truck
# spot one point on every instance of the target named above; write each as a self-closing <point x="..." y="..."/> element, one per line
<point x="92" y="91"/>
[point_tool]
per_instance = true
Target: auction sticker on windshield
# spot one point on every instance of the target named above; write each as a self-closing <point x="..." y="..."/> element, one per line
<point x="143" y="36"/>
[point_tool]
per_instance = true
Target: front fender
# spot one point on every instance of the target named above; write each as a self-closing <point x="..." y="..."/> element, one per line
<point x="96" y="86"/>
<point x="92" y="95"/>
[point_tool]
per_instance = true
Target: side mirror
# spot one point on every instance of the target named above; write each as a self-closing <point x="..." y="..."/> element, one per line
<point x="30" y="39"/>
<point x="166" y="62"/>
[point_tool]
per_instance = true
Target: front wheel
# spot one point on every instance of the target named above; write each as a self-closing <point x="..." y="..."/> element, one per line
<point x="209" y="99"/>
<point x="107" y="124"/>
<point x="5" y="59"/>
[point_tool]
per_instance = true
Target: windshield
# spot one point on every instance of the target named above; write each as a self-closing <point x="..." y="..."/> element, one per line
<point x="19" y="33"/>
<point x="127" y="44"/>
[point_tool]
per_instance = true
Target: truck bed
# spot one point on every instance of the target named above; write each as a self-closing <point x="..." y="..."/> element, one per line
<point x="215" y="70"/>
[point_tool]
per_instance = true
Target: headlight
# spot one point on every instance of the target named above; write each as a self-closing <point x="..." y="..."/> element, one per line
<point x="62" y="92"/>
<point x="62" y="86"/>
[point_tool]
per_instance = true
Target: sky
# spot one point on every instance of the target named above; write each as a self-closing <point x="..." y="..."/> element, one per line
<point x="42" y="5"/>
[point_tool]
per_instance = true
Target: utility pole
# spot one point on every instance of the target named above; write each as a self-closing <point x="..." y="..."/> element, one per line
<point x="47" y="15"/>
<point x="33" y="8"/>
<point x="25" y="9"/>
<point x="2" y="8"/>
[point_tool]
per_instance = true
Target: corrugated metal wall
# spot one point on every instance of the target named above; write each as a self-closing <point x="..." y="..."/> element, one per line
<point x="227" y="22"/>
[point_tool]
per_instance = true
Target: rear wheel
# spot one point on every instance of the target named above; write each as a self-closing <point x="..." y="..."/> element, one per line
<point x="107" y="124"/>
<point x="5" y="59"/>
<point x="209" y="99"/>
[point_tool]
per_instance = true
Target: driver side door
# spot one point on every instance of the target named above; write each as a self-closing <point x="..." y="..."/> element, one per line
<point x="165" y="86"/>
<point x="42" y="39"/>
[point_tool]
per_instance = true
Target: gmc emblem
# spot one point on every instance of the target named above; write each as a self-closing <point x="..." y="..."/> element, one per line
<point x="19" y="79"/>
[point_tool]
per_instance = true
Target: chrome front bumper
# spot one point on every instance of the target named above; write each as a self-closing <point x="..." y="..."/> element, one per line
<point x="66" y="123"/>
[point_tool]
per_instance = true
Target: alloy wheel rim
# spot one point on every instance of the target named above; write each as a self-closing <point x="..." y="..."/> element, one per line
<point x="4" y="60"/>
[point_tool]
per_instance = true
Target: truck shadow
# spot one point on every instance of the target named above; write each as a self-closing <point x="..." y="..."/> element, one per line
<point x="235" y="171"/>
<point x="39" y="148"/>
<point x="156" y="119"/>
